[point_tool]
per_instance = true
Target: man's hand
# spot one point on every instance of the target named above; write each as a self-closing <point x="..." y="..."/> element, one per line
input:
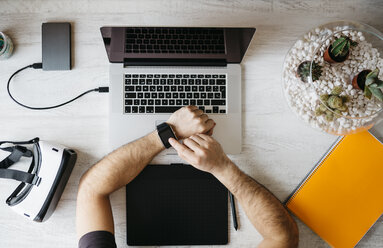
<point x="203" y="152"/>
<point x="190" y="120"/>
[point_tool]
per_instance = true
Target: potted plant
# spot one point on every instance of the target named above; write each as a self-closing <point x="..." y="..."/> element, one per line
<point x="369" y="82"/>
<point x="303" y="71"/>
<point x="332" y="105"/>
<point x="339" y="50"/>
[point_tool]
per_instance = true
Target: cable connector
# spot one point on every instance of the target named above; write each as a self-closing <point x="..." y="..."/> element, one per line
<point x="102" y="89"/>
<point x="37" y="65"/>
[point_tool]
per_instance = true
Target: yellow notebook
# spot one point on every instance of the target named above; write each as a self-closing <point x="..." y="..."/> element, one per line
<point x="342" y="197"/>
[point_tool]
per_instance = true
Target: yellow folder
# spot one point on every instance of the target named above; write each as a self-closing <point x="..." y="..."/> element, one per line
<point x="342" y="197"/>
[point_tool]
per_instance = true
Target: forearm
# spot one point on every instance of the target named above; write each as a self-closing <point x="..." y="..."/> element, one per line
<point x="263" y="209"/>
<point x="122" y="165"/>
<point x="111" y="173"/>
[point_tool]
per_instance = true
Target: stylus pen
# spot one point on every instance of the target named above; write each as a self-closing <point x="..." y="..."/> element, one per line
<point x="233" y="211"/>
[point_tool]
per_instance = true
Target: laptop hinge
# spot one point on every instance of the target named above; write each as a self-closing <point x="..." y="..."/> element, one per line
<point x="174" y="62"/>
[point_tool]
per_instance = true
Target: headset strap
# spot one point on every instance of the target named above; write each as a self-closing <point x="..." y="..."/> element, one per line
<point x="16" y="153"/>
<point x="19" y="176"/>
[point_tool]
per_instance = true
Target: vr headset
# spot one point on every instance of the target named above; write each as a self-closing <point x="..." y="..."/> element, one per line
<point x="43" y="184"/>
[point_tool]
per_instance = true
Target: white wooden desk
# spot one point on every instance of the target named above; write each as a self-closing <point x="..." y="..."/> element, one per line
<point x="278" y="149"/>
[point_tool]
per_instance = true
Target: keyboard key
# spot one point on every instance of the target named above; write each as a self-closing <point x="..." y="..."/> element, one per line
<point x="134" y="109"/>
<point x="193" y="76"/>
<point x="163" y="81"/>
<point x="201" y="88"/>
<point x="170" y="81"/>
<point x="145" y="88"/>
<point x="144" y="102"/>
<point x="168" y="95"/>
<point x="180" y="88"/>
<point x="222" y="111"/>
<point x="208" y="88"/>
<point x="138" y="88"/>
<point x="136" y="102"/>
<point x="184" y="81"/>
<point x="215" y="88"/>
<point x="130" y="95"/>
<point x="218" y="102"/>
<point x="194" y="88"/>
<point x="215" y="109"/>
<point x="191" y="81"/>
<point x="182" y="95"/>
<point x="206" y="102"/>
<point x="161" y="95"/>
<point x="167" y="109"/>
<point x="185" y="102"/>
<point x="149" y="81"/>
<point x="202" y="108"/>
<point x="189" y="95"/>
<point x="156" y="81"/>
<point x="198" y="81"/>
<point x="208" y="111"/>
<point x="150" y="102"/>
<point x="210" y="95"/>
<point x="128" y="109"/>
<point x="175" y="95"/>
<point x="172" y="102"/>
<point x="149" y="109"/>
<point x="166" y="88"/>
<point x="193" y="102"/>
<point x="173" y="88"/>
<point x="140" y="95"/>
<point x="222" y="76"/>
<point x="165" y="102"/>
<point x="177" y="81"/>
<point x="128" y="81"/>
<point x="187" y="88"/>
<point x="152" y="88"/>
<point x="129" y="88"/>
<point x="128" y="75"/>
<point x="217" y="95"/>
<point x="141" y="109"/>
<point x="142" y="81"/>
<point x="199" y="102"/>
<point x="159" y="88"/>
<point x="211" y="81"/>
<point x="178" y="102"/>
<point x="128" y="102"/>
<point x="135" y="81"/>
<point x="215" y="76"/>
<point x="154" y="95"/>
<point x="205" y="82"/>
<point x="196" y="95"/>
<point x="221" y="82"/>
<point x="157" y="102"/>
<point x="203" y="95"/>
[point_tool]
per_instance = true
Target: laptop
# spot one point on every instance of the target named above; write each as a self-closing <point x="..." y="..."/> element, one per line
<point x="154" y="71"/>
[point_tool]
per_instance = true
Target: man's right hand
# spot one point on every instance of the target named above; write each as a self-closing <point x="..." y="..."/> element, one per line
<point x="203" y="152"/>
<point x="190" y="120"/>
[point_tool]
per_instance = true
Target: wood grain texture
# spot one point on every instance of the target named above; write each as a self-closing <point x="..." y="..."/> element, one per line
<point x="278" y="149"/>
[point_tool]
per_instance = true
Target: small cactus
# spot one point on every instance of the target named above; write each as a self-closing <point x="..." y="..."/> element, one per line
<point x="303" y="71"/>
<point x="341" y="46"/>
<point x="332" y="105"/>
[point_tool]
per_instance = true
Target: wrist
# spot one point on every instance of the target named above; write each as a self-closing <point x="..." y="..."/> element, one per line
<point x="173" y="127"/>
<point x="157" y="142"/>
<point x="222" y="169"/>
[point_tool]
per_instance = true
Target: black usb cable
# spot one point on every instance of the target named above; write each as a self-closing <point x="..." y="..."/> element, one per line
<point x="39" y="66"/>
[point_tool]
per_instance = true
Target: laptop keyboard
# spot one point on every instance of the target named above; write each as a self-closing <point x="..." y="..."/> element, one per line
<point x="166" y="93"/>
<point x="175" y="40"/>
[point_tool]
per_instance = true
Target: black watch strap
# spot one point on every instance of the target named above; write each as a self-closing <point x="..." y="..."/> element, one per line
<point x="165" y="132"/>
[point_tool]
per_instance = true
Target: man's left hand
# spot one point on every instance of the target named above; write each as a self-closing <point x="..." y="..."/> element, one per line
<point x="190" y="120"/>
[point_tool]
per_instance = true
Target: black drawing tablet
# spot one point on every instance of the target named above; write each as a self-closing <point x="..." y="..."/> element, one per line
<point x="176" y="205"/>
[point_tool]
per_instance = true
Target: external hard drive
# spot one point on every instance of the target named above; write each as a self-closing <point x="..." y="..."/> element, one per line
<point x="56" y="46"/>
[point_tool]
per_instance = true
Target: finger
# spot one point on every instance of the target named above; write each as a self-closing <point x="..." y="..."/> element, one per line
<point x="181" y="149"/>
<point x="191" y="107"/>
<point x="198" y="139"/>
<point x="204" y="117"/>
<point x="209" y="124"/>
<point x="192" y="144"/>
<point x="198" y="112"/>
<point x="210" y="132"/>
<point x="205" y="137"/>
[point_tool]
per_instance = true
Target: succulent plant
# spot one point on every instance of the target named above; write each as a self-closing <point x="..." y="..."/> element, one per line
<point x="303" y="71"/>
<point x="341" y="46"/>
<point x="373" y="85"/>
<point x="332" y="105"/>
<point x="338" y="51"/>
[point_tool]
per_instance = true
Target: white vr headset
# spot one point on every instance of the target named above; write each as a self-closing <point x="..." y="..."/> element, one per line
<point x="43" y="184"/>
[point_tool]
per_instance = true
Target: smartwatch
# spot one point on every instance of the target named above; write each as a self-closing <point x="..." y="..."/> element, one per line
<point x="165" y="132"/>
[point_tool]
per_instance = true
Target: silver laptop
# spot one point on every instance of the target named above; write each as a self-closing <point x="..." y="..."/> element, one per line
<point x="156" y="70"/>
